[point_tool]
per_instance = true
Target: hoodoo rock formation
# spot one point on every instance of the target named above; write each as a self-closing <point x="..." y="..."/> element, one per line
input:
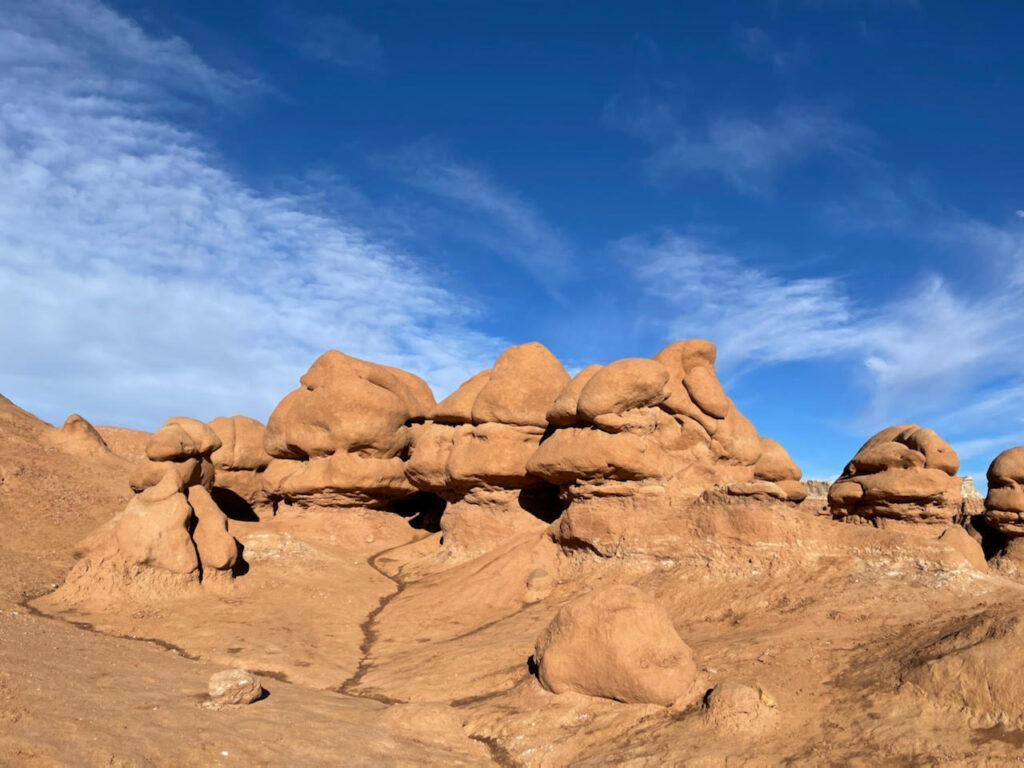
<point x="1004" y="504"/>
<point x="182" y="445"/>
<point x="170" y="536"/>
<point x="240" y="461"/>
<point x="904" y="474"/>
<point x="341" y="439"/>
<point x="640" y="435"/>
<point x="473" y="450"/>
<point x="617" y="643"/>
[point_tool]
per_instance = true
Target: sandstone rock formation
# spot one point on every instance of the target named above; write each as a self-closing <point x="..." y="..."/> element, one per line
<point x="617" y="643"/>
<point x="340" y="440"/>
<point x="183" y="445"/>
<point x="240" y="461"/>
<point x="1004" y="504"/>
<point x="640" y="434"/>
<point x="169" y="537"/>
<point x="473" y="450"/>
<point x="904" y="474"/>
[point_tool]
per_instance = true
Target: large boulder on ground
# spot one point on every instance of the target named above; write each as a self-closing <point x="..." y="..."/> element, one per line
<point x="1004" y="504"/>
<point x="617" y="643"/>
<point x="233" y="688"/>
<point x="643" y="433"/>
<point x="340" y="439"/>
<point x="182" y="445"/>
<point x="474" y="447"/>
<point x="904" y="474"/>
<point x="240" y="462"/>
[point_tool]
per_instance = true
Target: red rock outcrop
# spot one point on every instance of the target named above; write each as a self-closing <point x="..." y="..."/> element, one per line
<point x="474" y="448"/>
<point x="1004" y="504"/>
<point x="340" y="439"/>
<point x="904" y="474"/>
<point x="642" y="434"/>
<point x="183" y="445"/>
<point x="169" y="537"/>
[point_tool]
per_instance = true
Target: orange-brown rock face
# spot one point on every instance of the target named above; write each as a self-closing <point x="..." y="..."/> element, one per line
<point x="182" y="445"/>
<point x="904" y="474"/>
<point x="240" y="462"/>
<point x="639" y="434"/>
<point x="341" y="438"/>
<point x="169" y="537"/>
<point x="474" y="448"/>
<point x="1004" y="505"/>
<point x="617" y="643"/>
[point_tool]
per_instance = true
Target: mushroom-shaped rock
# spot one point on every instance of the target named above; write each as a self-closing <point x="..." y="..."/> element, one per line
<point x="904" y="474"/>
<point x="339" y="439"/>
<point x="474" y="448"/>
<point x="182" y="438"/>
<point x="617" y="643"/>
<point x="629" y="441"/>
<point x="1004" y="504"/>
<point x="240" y="461"/>
<point x="345" y="405"/>
<point x="183" y="445"/>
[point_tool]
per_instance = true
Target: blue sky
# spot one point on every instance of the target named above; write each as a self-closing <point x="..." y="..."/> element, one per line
<point x="199" y="198"/>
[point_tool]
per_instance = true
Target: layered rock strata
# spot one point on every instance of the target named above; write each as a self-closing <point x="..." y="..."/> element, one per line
<point x="341" y="439"/>
<point x="474" y="447"/>
<point x="905" y="474"/>
<point x="641" y="435"/>
<point x="1004" y="504"/>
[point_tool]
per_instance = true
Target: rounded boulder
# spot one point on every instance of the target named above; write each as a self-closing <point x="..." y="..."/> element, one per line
<point x="617" y="643"/>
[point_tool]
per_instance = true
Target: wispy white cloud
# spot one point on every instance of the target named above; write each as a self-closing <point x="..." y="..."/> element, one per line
<point x="924" y="356"/>
<point x="505" y="223"/>
<point x="755" y="317"/>
<point x="748" y="153"/>
<point x="335" y="40"/>
<point x="141" y="279"/>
